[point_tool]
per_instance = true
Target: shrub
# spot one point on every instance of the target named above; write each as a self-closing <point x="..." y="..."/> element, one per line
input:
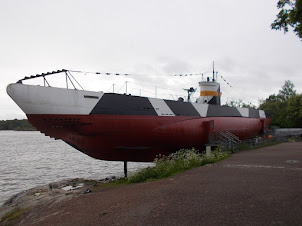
<point x="177" y="162"/>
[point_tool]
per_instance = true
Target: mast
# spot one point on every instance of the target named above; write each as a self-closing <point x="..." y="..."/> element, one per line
<point x="210" y="90"/>
<point x="213" y="72"/>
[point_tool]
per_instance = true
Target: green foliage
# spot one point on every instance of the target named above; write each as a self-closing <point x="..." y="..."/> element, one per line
<point x="20" y="125"/>
<point x="275" y="106"/>
<point x="290" y="14"/>
<point x="293" y="139"/>
<point x="285" y="107"/>
<point x="240" y="103"/>
<point x="246" y="146"/>
<point x="287" y="91"/>
<point x="294" y="111"/>
<point x="12" y="216"/>
<point x="178" y="162"/>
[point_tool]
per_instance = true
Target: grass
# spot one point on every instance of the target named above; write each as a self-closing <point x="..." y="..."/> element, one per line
<point x="12" y="216"/>
<point x="100" y="186"/>
<point x="250" y="147"/>
<point x="166" y="166"/>
<point x="294" y="139"/>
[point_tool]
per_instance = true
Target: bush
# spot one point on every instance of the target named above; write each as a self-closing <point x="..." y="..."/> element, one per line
<point x="177" y="162"/>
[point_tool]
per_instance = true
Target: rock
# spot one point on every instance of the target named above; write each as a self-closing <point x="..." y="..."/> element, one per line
<point x="87" y="191"/>
<point x="11" y="199"/>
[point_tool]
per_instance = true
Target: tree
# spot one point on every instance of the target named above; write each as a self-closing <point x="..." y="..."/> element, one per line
<point x="294" y="110"/>
<point x="285" y="107"/>
<point x="275" y="106"/>
<point x="22" y="125"/>
<point x="290" y="14"/>
<point x="287" y="91"/>
<point x="240" y="103"/>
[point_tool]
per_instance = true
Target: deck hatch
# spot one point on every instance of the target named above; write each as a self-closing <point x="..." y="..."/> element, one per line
<point x="92" y="97"/>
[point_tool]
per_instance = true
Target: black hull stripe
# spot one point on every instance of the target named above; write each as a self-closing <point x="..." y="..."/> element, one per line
<point x="222" y="111"/>
<point x="118" y="104"/>
<point x="253" y="113"/>
<point x="215" y="100"/>
<point x="182" y="108"/>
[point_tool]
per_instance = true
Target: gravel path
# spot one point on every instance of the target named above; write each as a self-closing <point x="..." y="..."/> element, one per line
<point x="262" y="186"/>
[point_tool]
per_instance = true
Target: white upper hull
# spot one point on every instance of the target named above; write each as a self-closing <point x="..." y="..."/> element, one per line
<point x="48" y="100"/>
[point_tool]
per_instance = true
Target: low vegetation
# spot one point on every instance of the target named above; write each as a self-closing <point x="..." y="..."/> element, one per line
<point x="166" y="166"/>
<point x="246" y="146"/>
<point x="16" y="124"/>
<point x="12" y="216"/>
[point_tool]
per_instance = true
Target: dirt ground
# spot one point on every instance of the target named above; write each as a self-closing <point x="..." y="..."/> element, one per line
<point x="255" y="187"/>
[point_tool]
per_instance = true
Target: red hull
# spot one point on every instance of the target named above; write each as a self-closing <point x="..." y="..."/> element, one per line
<point x="139" y="138"/>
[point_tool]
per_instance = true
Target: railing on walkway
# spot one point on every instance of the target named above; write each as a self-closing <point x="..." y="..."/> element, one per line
<point x="228" y="141"/>
<point x="224" y="139"/>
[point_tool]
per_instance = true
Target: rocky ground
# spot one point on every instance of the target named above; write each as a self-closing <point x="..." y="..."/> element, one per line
<point x="255" y="187"/>
<point x="39" y="198"/>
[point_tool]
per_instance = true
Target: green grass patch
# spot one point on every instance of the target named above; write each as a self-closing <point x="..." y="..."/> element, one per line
<point x="12" y="216"/>
<point x="250" y="147"/>
<point x="294" y="139"/>
<point x="99" y="186"/>
<point x="166" y="166"/>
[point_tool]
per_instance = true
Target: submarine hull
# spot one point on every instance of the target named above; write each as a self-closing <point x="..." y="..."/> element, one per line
<point x="118" y="127"/>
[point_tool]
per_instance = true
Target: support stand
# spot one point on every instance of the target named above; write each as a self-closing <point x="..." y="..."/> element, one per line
<point x="125" y="169"/>
<point x="208" y="151"/>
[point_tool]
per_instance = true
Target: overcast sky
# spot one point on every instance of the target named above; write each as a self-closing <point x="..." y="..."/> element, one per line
<point x="153" y="40"/>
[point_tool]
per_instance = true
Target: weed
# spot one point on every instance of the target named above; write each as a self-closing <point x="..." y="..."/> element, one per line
<point x="175" y="163"/>
<point x="245" y="146"/>
<point x="12" y="216"/>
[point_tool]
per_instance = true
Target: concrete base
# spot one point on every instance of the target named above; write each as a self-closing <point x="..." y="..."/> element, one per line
<point x="208" y="150"/>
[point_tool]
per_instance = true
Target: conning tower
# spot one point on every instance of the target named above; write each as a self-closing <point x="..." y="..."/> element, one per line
<point x="210" y="91"/>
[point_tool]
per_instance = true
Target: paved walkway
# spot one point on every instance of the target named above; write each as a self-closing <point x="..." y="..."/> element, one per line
<point x="256" y="187"/>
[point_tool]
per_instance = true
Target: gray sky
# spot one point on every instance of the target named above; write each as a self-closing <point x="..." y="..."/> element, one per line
<point x="151" y="39"/>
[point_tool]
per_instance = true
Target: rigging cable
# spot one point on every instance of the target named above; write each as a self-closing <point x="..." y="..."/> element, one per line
<point x="239" y="96"/>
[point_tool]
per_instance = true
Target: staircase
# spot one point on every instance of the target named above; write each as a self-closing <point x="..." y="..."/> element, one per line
<point x="224" y="139"/>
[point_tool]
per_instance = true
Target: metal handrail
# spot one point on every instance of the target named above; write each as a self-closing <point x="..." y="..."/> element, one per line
<point x="233" y="136"/>
<point x="224" y="139"/>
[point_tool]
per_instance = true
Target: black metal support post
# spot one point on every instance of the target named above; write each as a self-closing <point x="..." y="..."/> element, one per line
<point x="125" y="169"/>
